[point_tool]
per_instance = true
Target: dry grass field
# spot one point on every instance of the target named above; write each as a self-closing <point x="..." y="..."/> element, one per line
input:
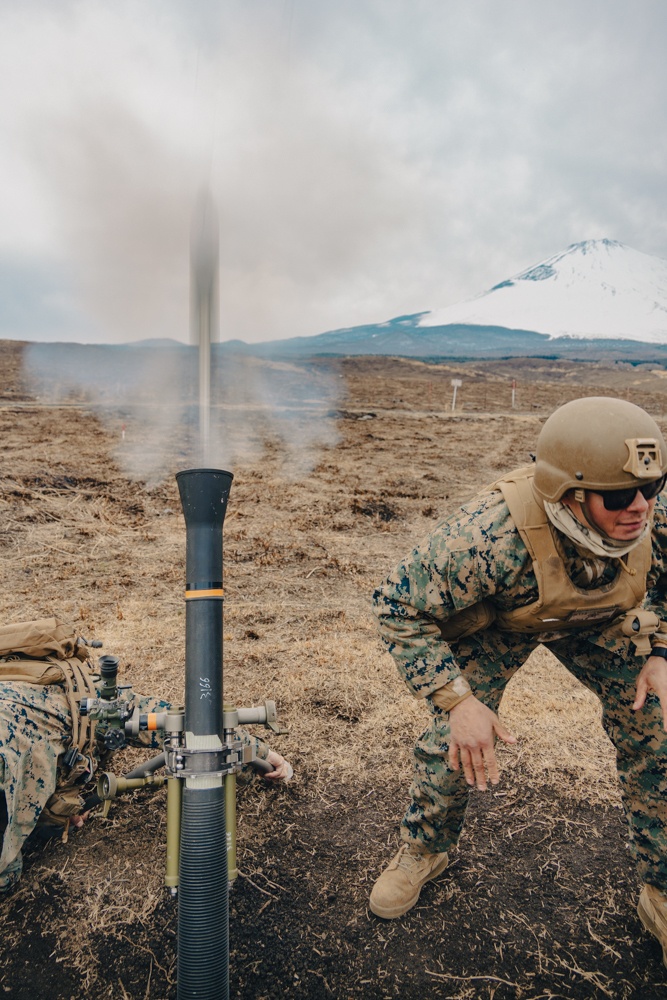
<point x="540" y="900"/>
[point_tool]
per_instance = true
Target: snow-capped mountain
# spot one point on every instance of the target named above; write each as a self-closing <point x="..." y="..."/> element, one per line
<point x="595" y="289"/>
<point x="596" y="299"/>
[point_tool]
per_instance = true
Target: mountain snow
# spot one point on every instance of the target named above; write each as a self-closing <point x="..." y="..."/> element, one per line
<point x="598" y="288"/>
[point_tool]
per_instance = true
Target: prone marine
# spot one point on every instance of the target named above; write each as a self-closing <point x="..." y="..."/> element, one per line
<point x="570" y="552"/>
<point x="50" y="749"/>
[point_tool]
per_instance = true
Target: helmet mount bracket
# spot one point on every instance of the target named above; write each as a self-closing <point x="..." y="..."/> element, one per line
<point x="645" y="461"/>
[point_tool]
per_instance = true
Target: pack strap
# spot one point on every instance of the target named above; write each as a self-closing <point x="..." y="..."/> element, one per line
<point x="75" y="676"/>
<point x="79" y="684"/>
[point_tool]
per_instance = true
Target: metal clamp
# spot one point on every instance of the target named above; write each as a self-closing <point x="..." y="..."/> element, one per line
<point x="185" y="763"/>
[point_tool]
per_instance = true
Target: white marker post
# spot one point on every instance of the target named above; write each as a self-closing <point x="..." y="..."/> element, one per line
<point x="514" y="394"/>
<point x="456" y="384"/>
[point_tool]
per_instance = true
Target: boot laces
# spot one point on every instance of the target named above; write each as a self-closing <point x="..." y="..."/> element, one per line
<point x="408" y="861"/>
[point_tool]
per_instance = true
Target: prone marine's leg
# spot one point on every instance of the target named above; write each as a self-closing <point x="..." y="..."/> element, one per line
<point x="11" y="872"/>
<point x="33" y="734"/>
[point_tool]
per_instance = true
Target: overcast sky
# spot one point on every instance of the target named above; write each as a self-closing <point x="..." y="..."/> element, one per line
<point x="369" y="158"/>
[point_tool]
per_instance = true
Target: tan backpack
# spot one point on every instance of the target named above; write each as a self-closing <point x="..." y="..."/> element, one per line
<point x="48" y="651"/>
<point x="38" y="639"/>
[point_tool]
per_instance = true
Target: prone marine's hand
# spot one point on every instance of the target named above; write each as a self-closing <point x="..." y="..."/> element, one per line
<point x="282" y="769"/>
<point x="474" y="729"/>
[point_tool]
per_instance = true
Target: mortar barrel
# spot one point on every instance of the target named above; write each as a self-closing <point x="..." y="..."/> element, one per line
<point x="203" y="900"/>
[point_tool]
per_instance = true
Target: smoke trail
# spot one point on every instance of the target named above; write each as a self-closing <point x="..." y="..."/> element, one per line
<point x="204" y="304"/>
<point x="257" y="401"/>
<point x="147" y="397"/>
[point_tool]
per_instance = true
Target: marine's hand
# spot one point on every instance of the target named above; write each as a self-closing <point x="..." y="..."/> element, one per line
<point x="282" y="769"/>
<point x="474" y="728"/>
<point x="653" y="677"/>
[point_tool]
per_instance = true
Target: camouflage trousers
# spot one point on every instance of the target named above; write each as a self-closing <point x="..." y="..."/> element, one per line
<point x="439" y="795"/>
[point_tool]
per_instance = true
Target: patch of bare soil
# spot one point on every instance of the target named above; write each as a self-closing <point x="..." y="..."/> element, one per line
<point x="539" y="901"/>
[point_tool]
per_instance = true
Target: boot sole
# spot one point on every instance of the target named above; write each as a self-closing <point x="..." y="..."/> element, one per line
<point x="390" y="913"/>
<point x="651" y="926"/>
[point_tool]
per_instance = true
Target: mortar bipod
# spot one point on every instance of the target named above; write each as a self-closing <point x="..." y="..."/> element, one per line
<point x="225" y="762"/>
<point x="232" y="718"/>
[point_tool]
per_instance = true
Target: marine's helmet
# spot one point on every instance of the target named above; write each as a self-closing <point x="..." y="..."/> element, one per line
<point x="598" y="443"/>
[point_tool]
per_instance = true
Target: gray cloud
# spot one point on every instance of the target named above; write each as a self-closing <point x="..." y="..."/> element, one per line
<point x="368" y="158"/>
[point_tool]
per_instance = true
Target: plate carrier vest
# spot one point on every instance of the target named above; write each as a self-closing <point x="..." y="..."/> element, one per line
<point x="561" y="605"/>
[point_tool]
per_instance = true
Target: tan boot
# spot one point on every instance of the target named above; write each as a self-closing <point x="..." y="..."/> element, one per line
<point x="652" y="910"/>
<point x="398" y="887"/>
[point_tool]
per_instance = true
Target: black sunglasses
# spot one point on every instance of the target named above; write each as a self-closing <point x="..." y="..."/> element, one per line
<point x="620" y="499"/>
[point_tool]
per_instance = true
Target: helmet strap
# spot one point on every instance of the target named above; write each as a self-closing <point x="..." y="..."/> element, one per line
<point x="614" y="542"/>
<point x="588" y="535"/>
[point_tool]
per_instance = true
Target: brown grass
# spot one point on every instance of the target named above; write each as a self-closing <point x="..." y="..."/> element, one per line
<point x="82" y="540"/>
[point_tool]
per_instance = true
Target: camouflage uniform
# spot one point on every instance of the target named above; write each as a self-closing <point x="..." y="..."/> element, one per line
<point x="478" y="554"/>
<point x="35" y="730"/>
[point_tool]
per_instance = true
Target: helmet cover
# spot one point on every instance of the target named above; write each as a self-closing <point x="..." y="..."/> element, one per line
<point x="598" y="443"/>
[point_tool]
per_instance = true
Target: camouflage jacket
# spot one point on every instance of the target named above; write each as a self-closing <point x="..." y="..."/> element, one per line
<point x="477" y="554"/>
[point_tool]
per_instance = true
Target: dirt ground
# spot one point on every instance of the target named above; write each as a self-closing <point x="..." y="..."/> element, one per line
<point x="540" y="899"/>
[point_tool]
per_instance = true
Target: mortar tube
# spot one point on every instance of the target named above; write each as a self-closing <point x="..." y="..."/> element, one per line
<point x="203" y="893"/>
